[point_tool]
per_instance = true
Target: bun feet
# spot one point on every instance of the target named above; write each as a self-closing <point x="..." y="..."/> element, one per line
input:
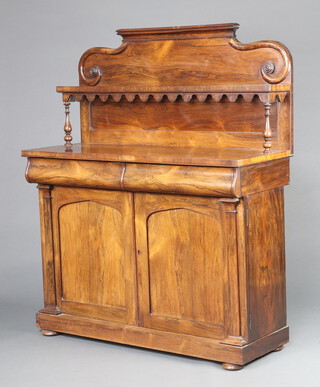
<point x="46" y="332"/>
<point x="232" y="367"/>
<point x="280" y="348"/>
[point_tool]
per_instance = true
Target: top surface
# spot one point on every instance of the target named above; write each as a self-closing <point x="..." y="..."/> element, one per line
<point x="215" y="157"/>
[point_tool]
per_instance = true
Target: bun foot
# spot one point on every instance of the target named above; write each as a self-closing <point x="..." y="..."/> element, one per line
<point x="232" y="367"/>
<point x="280" y="348"/>
<point x="46" y="332"/>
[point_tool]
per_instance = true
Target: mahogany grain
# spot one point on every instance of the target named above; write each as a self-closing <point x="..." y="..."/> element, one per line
<point x="94" y="253"/>
<point x="188" y="155"/>
<point x="164" y="227"/>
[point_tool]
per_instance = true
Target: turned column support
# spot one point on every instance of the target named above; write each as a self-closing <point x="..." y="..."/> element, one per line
<point x="267" y="132"/>
<point x="67" y="126"/>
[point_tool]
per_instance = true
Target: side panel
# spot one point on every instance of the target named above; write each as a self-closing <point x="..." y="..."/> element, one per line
<point x="266" y="262"/>
<point x="93" y="236"/>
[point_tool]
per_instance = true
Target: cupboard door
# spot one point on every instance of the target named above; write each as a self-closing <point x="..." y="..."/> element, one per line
<point x="94" y="253"/>
<point x="185" y="248"/>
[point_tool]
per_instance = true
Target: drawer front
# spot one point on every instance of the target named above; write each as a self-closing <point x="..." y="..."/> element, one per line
<point x="200" y="181"/>
<point x="75" y="173"/>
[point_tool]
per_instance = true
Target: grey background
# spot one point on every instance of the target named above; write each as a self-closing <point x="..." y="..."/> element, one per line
<point x="41" y="43"/>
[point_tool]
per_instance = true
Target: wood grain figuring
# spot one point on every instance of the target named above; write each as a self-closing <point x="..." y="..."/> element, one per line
<point x="266" y="262"/>
<point x="227" y="182"/>
<point x="167" y="62"/>
<point x="213" y="157"/>
<point x="164" y="341"/>
<point x="193" y="116"/>
<point x="177" y="139"/>
<point x="239" y="121"/>
<point x="212" y="93"/>
<point x="242" y="273"/>
<point x="153" y="65"/>
<point x="164" y="227"/>
<point x="231" y="305"/>
<point x="93" y="255"/>
<point x="84" y="121"/>
<point x="264" y="92"/>
<point x="181" y="264"/>
<point x="92" y="262"/>
<point x="269" y="68"/>
<point x="285" y="122"/>
<point x="181" y="32"/>
<point x="264" y="176"/>
<point x="184" y="266"/>
<point x="265" y="344"/>
<point x="49" y="293"/>
<point x="75" y="173"/>
<point x="180" y="179"/>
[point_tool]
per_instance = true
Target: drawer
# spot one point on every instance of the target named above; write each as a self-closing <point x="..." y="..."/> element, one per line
<point x="203" y="181"/>
<point x="171" y="179"/>
<point x="74" y="173"/>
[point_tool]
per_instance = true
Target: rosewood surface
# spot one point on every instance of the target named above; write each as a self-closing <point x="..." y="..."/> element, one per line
<point x="213" y="157"/>
<point x="164" y="227"/>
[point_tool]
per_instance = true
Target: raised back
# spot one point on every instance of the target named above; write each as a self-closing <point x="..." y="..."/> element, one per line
<point x="185" y="86"/>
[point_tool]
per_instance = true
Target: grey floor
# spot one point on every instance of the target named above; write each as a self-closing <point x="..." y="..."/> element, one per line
<point x="29" y="359"/>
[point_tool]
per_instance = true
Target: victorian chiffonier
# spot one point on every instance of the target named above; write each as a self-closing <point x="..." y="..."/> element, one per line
<point x="164" y="227"/>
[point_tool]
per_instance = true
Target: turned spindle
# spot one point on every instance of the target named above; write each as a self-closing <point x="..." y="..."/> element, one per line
<point x="67" y="126"/>
<point x="267" y="132"/>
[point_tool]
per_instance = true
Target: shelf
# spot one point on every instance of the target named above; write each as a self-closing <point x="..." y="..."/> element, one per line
<point x="215" y="157"/>
<point x="186" y="93"/>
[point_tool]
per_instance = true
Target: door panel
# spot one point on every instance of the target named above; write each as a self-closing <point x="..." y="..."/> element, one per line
<point x="94" y="253"/>
<point x="91" y="265"/>
<point x="182" y="265"/>
<point x="185" y="266"/>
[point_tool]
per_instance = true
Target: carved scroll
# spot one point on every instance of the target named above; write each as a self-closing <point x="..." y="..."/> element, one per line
<point x="95" y="71"/>
<point x="267" y="68"/>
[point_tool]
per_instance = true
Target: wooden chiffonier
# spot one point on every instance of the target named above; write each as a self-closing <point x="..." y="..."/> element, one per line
<point x="164" y="227"/>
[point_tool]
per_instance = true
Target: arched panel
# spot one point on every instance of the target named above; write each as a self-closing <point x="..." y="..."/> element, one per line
<point x="181" y="264"/>
<point x="92" y="255"/>
<point x="185" y="252"/>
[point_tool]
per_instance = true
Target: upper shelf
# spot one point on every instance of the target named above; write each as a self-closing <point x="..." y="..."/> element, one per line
<point x="186" y="93"/>
<point x="162" y="86"/>
<point x="222" y="157"/>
